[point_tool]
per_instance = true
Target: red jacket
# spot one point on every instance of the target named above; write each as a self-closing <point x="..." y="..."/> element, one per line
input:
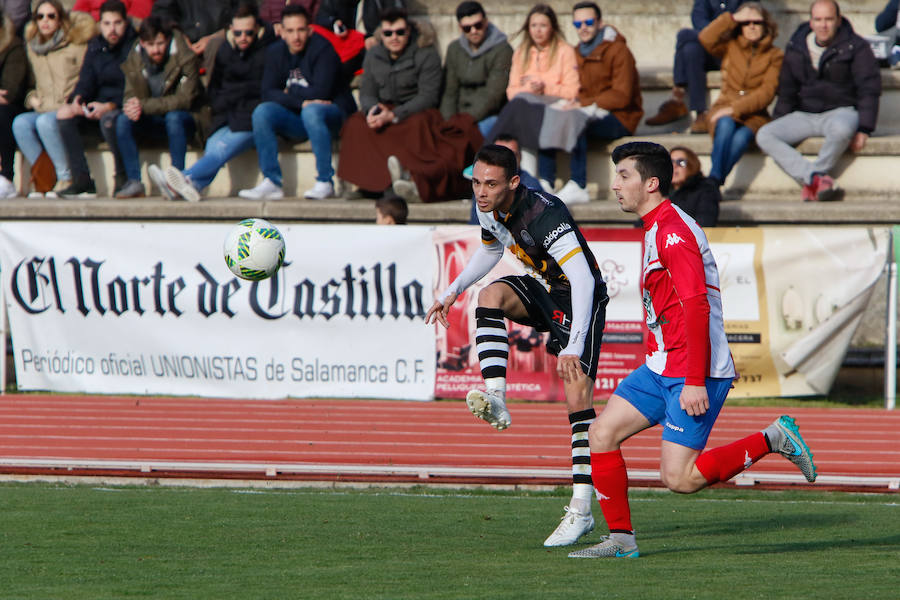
<point x="136" y="8"/>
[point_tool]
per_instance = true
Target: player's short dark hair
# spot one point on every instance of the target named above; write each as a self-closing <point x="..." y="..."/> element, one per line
<point x="152" y="26"/>
<point x="499" y="156"/>
<point x="295" y="10"/>
<point x="392" y="14"/>
<point x="650" y="160"/>
<point x="592" y="5"/>
<point x="468" y="9"/>
<point x="392" y="205"/>
<point x="247" y="9"/>
<point x="114" y="6"/>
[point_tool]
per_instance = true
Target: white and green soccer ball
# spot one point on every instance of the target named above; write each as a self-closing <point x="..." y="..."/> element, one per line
<point x="254" y="249"/>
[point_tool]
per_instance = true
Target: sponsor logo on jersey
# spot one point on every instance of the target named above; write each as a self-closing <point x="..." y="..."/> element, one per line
<point x="526" y="237"/>
<point x="551" y="237"/>
<point x="672" y="239"/>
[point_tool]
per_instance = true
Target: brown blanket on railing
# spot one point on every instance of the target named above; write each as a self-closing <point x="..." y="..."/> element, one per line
<point x="433" y="150"/>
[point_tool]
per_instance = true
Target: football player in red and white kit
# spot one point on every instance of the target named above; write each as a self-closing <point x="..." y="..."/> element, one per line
<point x="688" y="370"/>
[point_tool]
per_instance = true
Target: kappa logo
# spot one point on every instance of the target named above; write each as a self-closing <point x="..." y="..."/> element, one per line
<point x="747" y="460"/>
<point x="551" y="237"/>
<point x="672" y="239"/>
<point x="675" y="427"/>
<point x="600" y="495"/>
<point x="526" y="237"/>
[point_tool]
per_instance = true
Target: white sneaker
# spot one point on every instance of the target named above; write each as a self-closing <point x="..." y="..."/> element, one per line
<point x="408" y="190"/>
<point x="7" y="189"/>
<point x="159" y="180"/>
<point x="266" y="190"/>
<point x="572" y="526"/>
<point x="398" y="173"/>
<point x="320" y="191"/>
<point x="546" y="186"/>
<point x="181" y="185"/>
<point x="572" y="193"/>
<point x="489" y="406"/>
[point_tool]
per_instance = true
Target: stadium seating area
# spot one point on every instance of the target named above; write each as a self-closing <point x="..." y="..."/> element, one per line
<point x="757" y="192"/>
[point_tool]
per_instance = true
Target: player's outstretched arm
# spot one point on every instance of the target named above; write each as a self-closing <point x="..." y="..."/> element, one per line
<point x="438" y="311"/>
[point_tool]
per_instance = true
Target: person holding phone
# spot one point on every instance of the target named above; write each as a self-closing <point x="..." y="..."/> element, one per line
<point x="97" y="96"/>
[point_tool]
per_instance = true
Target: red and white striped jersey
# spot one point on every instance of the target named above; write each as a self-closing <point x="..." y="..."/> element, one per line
<point x="679" y="285"/>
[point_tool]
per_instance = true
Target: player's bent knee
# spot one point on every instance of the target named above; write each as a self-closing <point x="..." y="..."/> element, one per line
<point x="491" y="296"/>
<point x="601" y="438"/>
<point x="678" y="482"/>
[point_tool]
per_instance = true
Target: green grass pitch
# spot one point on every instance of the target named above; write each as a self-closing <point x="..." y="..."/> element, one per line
<point x="88" y="542"/>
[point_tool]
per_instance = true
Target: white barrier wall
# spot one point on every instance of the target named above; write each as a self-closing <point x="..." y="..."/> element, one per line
<point x="152" y="309"/>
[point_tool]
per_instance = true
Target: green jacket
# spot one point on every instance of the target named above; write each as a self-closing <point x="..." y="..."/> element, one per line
<point x="475" y="81"/>
<point x="182" y="89"/>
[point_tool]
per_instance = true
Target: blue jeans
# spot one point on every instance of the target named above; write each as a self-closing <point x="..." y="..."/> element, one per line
<point x="35" y="132"/>
<point x="316" y="122"/>
<point x="177" y="125"/>
<point x="222" y="146"/>
<point x="689" y="69"/>
<point x="729" y="143"/>
<point x="484" y="125"/>
<point x="607" y="128"/>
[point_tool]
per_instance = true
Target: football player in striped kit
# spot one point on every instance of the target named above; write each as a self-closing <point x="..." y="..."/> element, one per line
<point x="688" y="369"/>
<point x="569" y="300"/>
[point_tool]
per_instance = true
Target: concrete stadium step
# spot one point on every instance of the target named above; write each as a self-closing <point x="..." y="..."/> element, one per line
<point x="855" y="210"/>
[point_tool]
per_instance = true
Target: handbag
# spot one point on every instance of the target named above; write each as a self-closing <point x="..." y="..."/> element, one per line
<point x="43" y="174"/>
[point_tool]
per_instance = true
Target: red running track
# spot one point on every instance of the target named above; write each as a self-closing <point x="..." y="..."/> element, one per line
<point x="390" y="441"/>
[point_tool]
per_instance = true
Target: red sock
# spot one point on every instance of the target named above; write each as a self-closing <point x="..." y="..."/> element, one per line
<point x="724" y="462"/>
<point x="611" y="482"/>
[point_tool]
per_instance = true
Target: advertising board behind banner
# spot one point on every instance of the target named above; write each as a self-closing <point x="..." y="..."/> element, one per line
<point x="152" y="309"/>
<point x="531" y="373"/>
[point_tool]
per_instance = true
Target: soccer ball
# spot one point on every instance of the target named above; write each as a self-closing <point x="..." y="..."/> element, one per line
<point x="254" y="249"/>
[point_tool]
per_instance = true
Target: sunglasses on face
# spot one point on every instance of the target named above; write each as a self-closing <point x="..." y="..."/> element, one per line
<point x="587" y="22"/>
<point x="680" y="162"/>
<point x="48" y="16"/>
<point x="244" y="32"/>
<point x="754" y="23"/>
<point x="476" y="26"/>
<point x="393" y="32"/>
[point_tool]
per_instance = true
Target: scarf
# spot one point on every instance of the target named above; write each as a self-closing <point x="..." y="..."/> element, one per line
<point x="45" y="48"/>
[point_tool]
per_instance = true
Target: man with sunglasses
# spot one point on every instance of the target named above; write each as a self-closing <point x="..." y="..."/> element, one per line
<point x="610" y="87"/>
<point x="829" y="86"/>
<point x="476" y="68"/>
<point x="303" y="97"/>
<point x="234" y="91"/>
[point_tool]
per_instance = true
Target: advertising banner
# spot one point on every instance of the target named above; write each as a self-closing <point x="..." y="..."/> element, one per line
<point x="152" y="309"/>
<point x="531" y="373"/>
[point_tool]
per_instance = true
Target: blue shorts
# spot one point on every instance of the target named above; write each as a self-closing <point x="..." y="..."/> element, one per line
<point x="657" y="398"/>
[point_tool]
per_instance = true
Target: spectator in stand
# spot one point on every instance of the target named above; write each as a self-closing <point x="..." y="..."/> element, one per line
<point x="691" y="191"/>
<point x="161" y="88"/>
<point x="270" y="10"/>
<point x="399" y="138"/>
<point x="543" y="65"/>
<point x="371" y="15"/>
<point x="138" y="9"/>
<point x="692" y="62"/>
<point x="56" y="44"/>
<point x="336" y="22"/>
<point x="13" y="76"/>
<point x="829" y="86"/>
<point x="234" y="92"/>
<point x="17" y="11"/>
<point x="750" y="67"/>
<point x="203" y="23"/>
<point x="610" y="86"/>
<point x="303" y="97"/>
<point x="476" y="68"/>
<point x="888" y="23"/>
<point x="97" y="96"/>
<point x="391" y="209"/>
